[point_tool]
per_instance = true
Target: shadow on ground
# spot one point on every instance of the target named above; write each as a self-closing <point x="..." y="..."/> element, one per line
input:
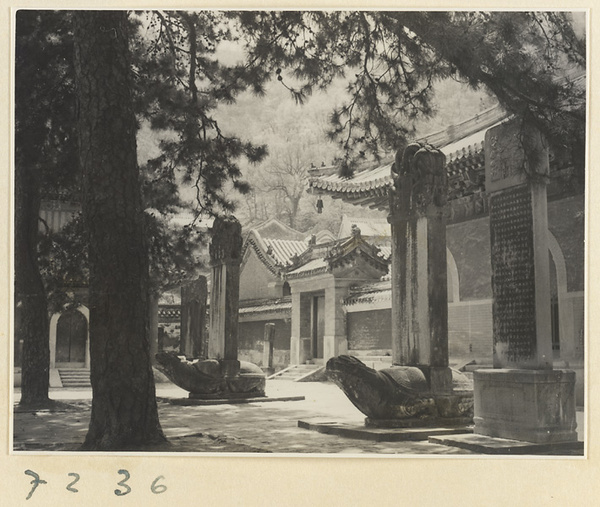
<point x="249" y="428"/>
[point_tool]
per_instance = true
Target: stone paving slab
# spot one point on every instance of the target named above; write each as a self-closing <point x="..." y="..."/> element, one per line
<point x="492" y="445"/>
<point x="262" y="427"/>
<point x="378" y="434"/>
<point x="228" y="401"/>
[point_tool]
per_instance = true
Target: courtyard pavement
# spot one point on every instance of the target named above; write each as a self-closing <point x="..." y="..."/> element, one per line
<point x="260" y="427"/>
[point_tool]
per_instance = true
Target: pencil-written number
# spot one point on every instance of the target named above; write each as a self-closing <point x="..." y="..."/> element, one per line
<point x="124" y="489"/>
<point x="118" y="492"/>
<point x="71" y="484"/>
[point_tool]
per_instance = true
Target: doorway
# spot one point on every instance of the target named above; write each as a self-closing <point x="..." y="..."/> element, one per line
<point x="318" y="326"/>
<point x="71" y="339"/>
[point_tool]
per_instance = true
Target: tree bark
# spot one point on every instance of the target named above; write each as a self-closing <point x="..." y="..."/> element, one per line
<point x="31" y="309"/>
<point x="124" y="412"/>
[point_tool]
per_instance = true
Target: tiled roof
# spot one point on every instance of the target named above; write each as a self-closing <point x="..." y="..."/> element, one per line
<point x="369" y="227"/>
<point x="295" y="259"/>
<point x="375" y="180"/>
<point x="273" y="228"/>
<point x="265" y="306"/>
<point x="324" y="236"/>
<point x="274" y="254"/>
<point x="451" y="139"/>
<point x="385" y="252"/>
<point x="365" y="181"/>
<point x="311" y="267"/>
<point x="371" y="294"/>
<point x="331" y="256"/>
<point x="282" y="250"/>
<point x="462" y="144"/>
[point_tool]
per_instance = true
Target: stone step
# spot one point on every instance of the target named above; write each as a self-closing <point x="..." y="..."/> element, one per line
<point x="74" y="377"/>
<point x="295" y="372"/>
<point x="288" y="376"/>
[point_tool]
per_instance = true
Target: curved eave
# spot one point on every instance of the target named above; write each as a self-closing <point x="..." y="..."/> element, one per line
<point x="284" y="308"/>
<point x="255" y="243"/>
<point x="376" y="196"/>
<point x="306" y="273"/>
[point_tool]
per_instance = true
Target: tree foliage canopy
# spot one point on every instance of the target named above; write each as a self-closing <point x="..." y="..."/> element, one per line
<point x="528" y="60"/>
<point x="391" y="61"/>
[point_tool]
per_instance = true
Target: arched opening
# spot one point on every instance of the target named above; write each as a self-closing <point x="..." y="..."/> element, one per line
<point x="71" y="337"/>
<point x="561" y="312"/>
<point x="554" y="315"/>
<point x="452" y="279"/>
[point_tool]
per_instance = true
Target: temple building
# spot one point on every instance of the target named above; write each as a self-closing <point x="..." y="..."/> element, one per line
<point x="330" y="294"/>
<point x="335" y="297"/>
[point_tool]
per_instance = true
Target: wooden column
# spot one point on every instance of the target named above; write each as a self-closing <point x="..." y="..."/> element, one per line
<point x="268" y="343"/>
<point x="335" y="340"/>
<point x="295" y="344"/>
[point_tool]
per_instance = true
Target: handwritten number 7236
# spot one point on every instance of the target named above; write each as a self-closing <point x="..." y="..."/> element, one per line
<point x="155" y="487"/>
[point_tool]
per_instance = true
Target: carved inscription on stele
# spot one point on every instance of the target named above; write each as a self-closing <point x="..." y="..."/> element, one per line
<point x="514" y="154"/>
<point x="505" y="155"/>
<point x="513" y="275"/>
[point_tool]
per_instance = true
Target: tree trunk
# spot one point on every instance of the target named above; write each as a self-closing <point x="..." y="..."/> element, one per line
<point x="31" y="309"/>
<point x="294" y="205"/>
<point x="124" y="412"/>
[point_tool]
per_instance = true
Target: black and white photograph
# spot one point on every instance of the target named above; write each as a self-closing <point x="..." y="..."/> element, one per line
<point x="286" y="233"/>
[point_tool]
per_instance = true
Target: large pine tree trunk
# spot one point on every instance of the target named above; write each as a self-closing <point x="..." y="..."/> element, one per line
<point x="31" y="311"/>
<point x="124" y="411"/>
<point x="31" y="308"/>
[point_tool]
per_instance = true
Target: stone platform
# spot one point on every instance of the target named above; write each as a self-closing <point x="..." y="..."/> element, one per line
<point x="419" y="422"/>
<point x="526" y="405"/>
<point x="379" y="434"/>
<point x="228" y="401"/>
<point x="491" y="445"/>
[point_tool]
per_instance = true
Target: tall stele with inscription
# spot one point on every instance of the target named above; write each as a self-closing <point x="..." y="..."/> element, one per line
<point x="523" y="397"/>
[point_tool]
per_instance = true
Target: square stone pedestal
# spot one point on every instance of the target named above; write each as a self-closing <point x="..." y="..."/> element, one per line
<point x="529" y="405"/>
